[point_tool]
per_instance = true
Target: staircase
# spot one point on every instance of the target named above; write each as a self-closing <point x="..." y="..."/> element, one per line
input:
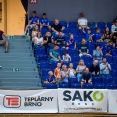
<point x="19" y="69"/>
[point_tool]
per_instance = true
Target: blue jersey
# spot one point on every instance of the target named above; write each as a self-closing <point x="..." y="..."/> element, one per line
<point x="88" y="37"/>
<point x="98" y="36"/>
<point x="71" y="43"/>
<point x="106" y="47"/>
<point x="34" y="19"/>
<point x="50" y="79"/>
<point x="44" y="21"/>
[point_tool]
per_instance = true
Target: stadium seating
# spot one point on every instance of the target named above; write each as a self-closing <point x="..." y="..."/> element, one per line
<point x="51" y="86"/>
<point x="87" y="86"/>
<point x="111" y="86"/>
<point x="75" y="86"/>
<point x="99" y="86"/>
<point x="63" y="85"/>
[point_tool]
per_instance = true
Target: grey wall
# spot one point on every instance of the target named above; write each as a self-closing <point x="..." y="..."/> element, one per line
<point x="68" y="10"/>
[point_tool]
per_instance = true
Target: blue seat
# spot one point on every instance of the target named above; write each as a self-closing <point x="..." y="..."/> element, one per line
<point x="51" y="22"/>
<point x="44" y="64"/>
<point x="113" y="66"/>
<point x="66" y="30"/>
<point x="75" y="64"/>
<point x="40" y="51"/>
<point x="44" y="30"/>
<point x="109" y="24"/>
<point x="63" y="23"/>
<point x="111" y="86"/>
<point x="113" y="73"/>
<point x="63" y="85"/>
<point x="88" y="63"/>
<point x="74" y="30"/>
<point x="42" y="58"/>
<point x="86" y="58"/>
<point x="97" y="79"/>
<point x="115" y="59"/>
<point x="75" y="59"/>
<point x="75" y="86"/>
<point x="51" y="86"/>
<point x="54" y="65"/>
<point x="44" y="72"/>
<point x="109" y="59"/>
<point x="101" y="25"/>
<point x="115" y="79"/>
<point x="93" y="31"/>
<point x="72" y="80"/>
<point x="107" y="80"/>
<point x="92" y="24"/>
<point x="99" y="86"/>
<point x="72" y="24"/>
<point x="87" y="86"/>
<point x="72" y="51"/>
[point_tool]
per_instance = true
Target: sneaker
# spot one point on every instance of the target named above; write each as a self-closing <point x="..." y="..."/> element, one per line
<point x="6" y="51"/>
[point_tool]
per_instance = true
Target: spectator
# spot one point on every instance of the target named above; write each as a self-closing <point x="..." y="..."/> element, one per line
<point x="66" y="57"/>
<point x="82" y="22"/>
<point x="4" y="41"/>
<point x="60" y="40"/>
<point x="33" y="21"/>
<point x="97" y="54"/>
<point x="50" y="78"/>
<point x="114" y="50"/>
<point x="38" y="41"/>
<point x="94" y="68"/>
<point x="114" y="27"/>
<point x="105" y="68"/>
<point x="57" y="73"/>
<point x="71" y="71"/>
<point x="35" y="33"/>
<point x="71" y="43"/>
<point x="107" y="36"/>
<point x="86" y="77"/>
<point x="56" y="27"/>
<point x="48" y="41"/>
<point x="109" y="53"/>
<point x="98" y="36"/>
<point x="80" y="69"/>
<point x="54" y="54"/>
<point x="107" y="46"/>
<point x="84" y="49"/>
<point x="44" y="22"/>
<point x="64" y="74"/>
<point x="88" y="36"/>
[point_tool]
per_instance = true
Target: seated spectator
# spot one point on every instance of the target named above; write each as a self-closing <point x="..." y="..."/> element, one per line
<point x="50" y="78"/>
<point x="114" y="50"/>
<point x="48" y="41"/>
<point x="107" y="46"/>
<point x="33" y="21"/>
<point x="66" y="57"/>
<point x="56" y="27"/>
<point x="64" y="74"/>
<point x="86" y="77"/>
<point x="4" y="41"/>
<point x="71" y="71"/>
<point x="54" y="54"/>
<point x="38" y="41"/>
<point x="57" y="73"/>
<point x="83" y="49"/>
<point x="44" y="22"/>
<point x="98" y="36"/>
<point x="88" y="36"/>
<point x="105" y="68"/>
<point x="114" y="27"/>
<point x="107" y="36"/>
<point x="109" y="53"/>
<point x="80" y="69"/>
<point x="82" y="22"/>
<point x="94" y="68"/>
<point x="35" y="33"/>
<point x="97" y="54"/>
<point x="71" y="43"/>
<point x="60" y="40"/>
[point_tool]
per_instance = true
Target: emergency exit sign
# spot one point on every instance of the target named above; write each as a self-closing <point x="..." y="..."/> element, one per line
<point x="33" y="1"/>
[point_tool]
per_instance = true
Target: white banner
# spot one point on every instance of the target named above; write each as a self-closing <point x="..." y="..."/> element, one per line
<point x="30" y="101"/>
<point x="112" y="101"/>
<point x="82" y="100"/>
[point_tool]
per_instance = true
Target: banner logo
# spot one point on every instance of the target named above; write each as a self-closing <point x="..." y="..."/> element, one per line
<point x="33" y="1"/>
<point x="12" y="101"/>
<point x="101" y="96"/>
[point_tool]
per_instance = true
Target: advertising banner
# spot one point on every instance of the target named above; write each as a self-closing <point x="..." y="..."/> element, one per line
<point x="82" y="100"/>
<point x="30" y="101"/>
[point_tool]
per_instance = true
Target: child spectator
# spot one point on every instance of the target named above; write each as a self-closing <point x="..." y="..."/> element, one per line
<point x="98" y="35"/>
<point x="35" y="33"/>
<point x="88" y="36"/>
<point x="50" y="78"/>
<point x="109" y="53"/>
<point x="71" y="71"/>
<point x="66" y="57"/>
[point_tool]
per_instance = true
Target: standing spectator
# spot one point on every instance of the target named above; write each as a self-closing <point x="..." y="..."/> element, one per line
<point x="86" y="77"/>
<point x="33" y="21"/>
<point x="107" y="36"/>
<point x="44" y="22"/>
<point x="114" y="27"/>
<point x="88" y="36"/>
<point x="98" y="36"/>
<point x="80" y="69"/>
<point x="105" y="68"/>
<point x="64" y="74"/>
<point x="97" y="54"/>
<point x="71" y="71"/>
<point x="56" y="27"/>
<point x="54" y="54"/>
<point x="50" y="78"/>
<point x="83" y="49"/>
<point x="66" y="57"/>
<point x="82" y="22"/>
<point x="94" y="68"/>
<point x="38" y="41"/>
<point x="48" y="41"/>
<point x="60" y="40"/>
<point x="35" y="33"/>
<point x="71" y="43"/>
<point x="4" y="41"/>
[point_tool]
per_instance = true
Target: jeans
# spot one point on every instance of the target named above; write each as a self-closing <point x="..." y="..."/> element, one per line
<point x="54" y="60"/>
<point x="79" y="78"/>
<point x="37" y="46"/>
<point x="86" y="55"/>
